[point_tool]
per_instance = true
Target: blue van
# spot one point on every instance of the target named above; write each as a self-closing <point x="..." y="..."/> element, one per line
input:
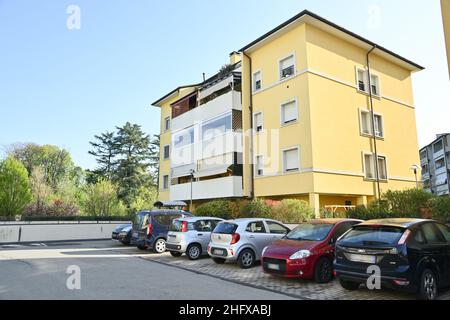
<point x="150" y="228"/>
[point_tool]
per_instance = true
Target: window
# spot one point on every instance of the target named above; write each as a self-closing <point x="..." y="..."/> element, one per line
<point x="259" y="165"/>
<point x="287" y="67"/>
<point x="257" y="81"/>
<point x="378" y="124"/>
<point x="165" y="182"/>
<point x="167" y="124"/>
<point x="382" y="168"/>
<point x="425" y="168"/>
<point x="369" y="170"/>
<point x="441" y="180"/>
<point x="256" y="227"/>
<point x="419" y="237"/>
<point x="439" y="163"/>
<point x="362" y="80"/>
<point x="216" y="127"/>
<point x="438" y="146"/>
<point x="166" y="152"/>
<point x="369" y="167"/>
<point x="276" y="228"/>
<point x="366" y="125"/>
<point x="423" y="154"/>
<point x="289" y="112"/>
<point x="431" y="233"/>
<point x="375" y="85"/>
<point x="291" y="160"/>
<point x="258" y="119"/>
<point x="183" y="138"/>
<point x="445" y="231"/>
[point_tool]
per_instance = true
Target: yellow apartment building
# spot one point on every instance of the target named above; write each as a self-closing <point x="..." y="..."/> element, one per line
<point x="445" y="6"/>
<point x="309" y="111"/>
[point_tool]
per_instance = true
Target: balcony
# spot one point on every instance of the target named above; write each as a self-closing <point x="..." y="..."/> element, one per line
<point x="226" y="187"/>
<point x="227" y="102"/>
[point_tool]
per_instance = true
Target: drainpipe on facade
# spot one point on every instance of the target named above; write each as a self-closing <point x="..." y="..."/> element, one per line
<point x="252" y="165"/>
<point x="374" y="137"/>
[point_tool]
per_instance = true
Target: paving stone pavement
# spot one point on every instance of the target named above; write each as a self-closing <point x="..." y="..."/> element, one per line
<point x="301" y="289"/>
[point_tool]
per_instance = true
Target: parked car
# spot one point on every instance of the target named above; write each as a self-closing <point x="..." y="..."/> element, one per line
<point x="307" y="252"/>
<point x="190" y="235"/>
<point x="117" y="231"/>
<point x="125" y="235"/>
<point x="412" y="254"/>
<point x="150" y="228"/>
<point x="243" y="240"/>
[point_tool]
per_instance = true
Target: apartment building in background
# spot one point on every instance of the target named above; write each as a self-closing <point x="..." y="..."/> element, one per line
<point x="445" y="7"/>
<point x="435" y="163"/>
<point x="297" y="114"/>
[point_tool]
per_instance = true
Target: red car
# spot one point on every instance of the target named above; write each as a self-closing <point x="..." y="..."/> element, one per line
<point x="307" y="252"/>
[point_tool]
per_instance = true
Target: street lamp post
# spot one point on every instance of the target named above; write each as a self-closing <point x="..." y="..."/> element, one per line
<point x="192" y="179"/>
<point x="414" y="168"/>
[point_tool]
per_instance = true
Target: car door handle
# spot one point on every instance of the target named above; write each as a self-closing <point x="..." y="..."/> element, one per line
<point x="199" y="234"/>
<point x="252" y="237"/>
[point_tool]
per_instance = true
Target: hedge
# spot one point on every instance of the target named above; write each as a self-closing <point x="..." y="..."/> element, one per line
<point x="69" y="218"/>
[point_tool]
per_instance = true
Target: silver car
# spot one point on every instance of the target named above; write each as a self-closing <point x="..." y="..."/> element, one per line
<point x="243" y="240"/>
<point x="190" y="235"/>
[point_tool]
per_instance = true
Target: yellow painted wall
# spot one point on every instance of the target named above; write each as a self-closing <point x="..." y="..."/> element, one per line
<point x="445" y="5"/>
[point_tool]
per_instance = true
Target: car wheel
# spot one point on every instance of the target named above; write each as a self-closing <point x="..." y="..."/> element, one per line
<point x="175" y="254"/>
<point x="142" y="247"/>
<point x="246" y="259"/>
<point x="349" y="285"/>
<point x="427" y="286"/>
<point x="324" y="271"/>
<point x="194" y="252"/>
<point x="219" y="260"/>
<point x="159" y="246"/>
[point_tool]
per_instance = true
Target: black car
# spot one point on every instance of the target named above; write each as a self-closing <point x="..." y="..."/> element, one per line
<point x="122" y="233"/>
<point x="412" y="254"/>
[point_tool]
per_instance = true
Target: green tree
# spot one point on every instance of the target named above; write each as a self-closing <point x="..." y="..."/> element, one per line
<point x="41" y="191"/>
<point x="15" y="191"/>
<point x="145" y="199"/>
<point x="100" y="199"/>
<point x="133" y="163"/>
<point x="154" y="158"/>
<point x="104" y="150"/>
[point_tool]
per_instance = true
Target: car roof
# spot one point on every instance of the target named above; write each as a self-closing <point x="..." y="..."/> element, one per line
<point x="199" y="218"/>
<point x="164" y="211"/>
<point x="394" y="222"/>
<point x="332" y="220"/>
<point x="244" y="220"/>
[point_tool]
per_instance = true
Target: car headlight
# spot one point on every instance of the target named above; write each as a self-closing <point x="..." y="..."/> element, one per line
<point x="264" y="250"/>
<point x="301" y="254"/>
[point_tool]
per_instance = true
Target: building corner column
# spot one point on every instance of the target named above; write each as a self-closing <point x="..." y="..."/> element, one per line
<point x="314" y="202"/>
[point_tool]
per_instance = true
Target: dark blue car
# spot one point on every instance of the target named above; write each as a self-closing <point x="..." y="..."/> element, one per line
<point x="150" y="228"/>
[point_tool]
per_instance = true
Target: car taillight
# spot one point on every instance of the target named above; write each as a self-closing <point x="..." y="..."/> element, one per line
<point x="184" y="226"/>
<point x="404" y="237"/>
<point x="235" y="238"/>
<point x="149" y="229"/>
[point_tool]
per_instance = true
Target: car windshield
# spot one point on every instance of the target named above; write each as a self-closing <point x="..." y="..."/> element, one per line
<point x="373" y="235"/>
<point x="310" y="232"/>
<point x="225" y="228"/>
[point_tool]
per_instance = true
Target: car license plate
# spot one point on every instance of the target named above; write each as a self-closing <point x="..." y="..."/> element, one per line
<point x="362" y="258"/>
<point x="273" y="266"/>
<point x="218" y="252"/>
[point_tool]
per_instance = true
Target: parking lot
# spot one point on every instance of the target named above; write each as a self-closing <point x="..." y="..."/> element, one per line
<point x="110" y="270"/>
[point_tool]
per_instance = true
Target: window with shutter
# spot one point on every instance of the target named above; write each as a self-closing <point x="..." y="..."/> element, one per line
<point x="257" y="81"/>
<point x="289" y="112"/>
<point x="258" y="125"/>
<point x="165" y="182"/>
<point x="287" y="67"/>
<point x="166" y="152"/>
<point x="382" y="169"/>
<point x="365" y="122"/>
<point x="259" y="165"/>
<point x="362" y="80"/>
<point x="291" y="160"/>
<point x="378" y="124"/>
<point x="369" y="170"/>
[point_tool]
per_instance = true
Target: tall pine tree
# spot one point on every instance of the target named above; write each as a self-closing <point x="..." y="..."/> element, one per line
<point x="105" y="150"/>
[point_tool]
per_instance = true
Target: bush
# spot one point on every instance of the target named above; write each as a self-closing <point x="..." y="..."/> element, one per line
<point x="216" y="208"/>
<point x="57" y="208"/>
<point x="407" y="203"/>
<point x="257" y="208"/>
<point x="440" y="208"/>
<point x="292" y="211"/>
<point x="76" y="218"/>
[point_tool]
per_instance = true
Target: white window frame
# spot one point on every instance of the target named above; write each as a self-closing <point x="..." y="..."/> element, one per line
<point x="262" y="121"/>
<point x="370" y="133"/>
<point x="374" y="167"/>
<point x="168" y="182"/>
<point x="254" y="80"/>
<point x="377" y="84"/>
<point x="280" y="73"/>
<point x="283" y="151"/>
<point x="167" y="120"/>
<point x="282" y="122"/>
<point x="164" y="152"/>
<point x="365" y="80"/>
<point x="257" y="174"/>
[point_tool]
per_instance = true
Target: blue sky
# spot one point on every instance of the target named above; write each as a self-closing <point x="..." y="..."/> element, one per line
<point x="61" y="86"/>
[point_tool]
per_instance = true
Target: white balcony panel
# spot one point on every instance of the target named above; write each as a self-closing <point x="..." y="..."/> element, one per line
<point x="210" y="189"/>
<point x="222" y="104"/>
<point x="216" y="87"/>
<point x="182" y="171"/>
<point x="223" y="144"/>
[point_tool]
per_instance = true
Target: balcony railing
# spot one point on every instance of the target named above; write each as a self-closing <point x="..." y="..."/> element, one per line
<point x="226" y="187"/>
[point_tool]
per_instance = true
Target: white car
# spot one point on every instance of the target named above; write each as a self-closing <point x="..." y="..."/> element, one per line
<point x="243" y="240"/>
